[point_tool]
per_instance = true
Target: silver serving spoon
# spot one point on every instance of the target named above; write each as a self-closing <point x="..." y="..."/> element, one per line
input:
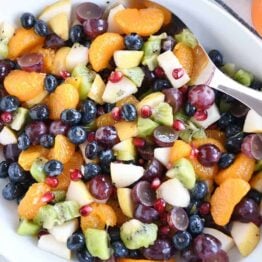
<point x="213" y="77"/>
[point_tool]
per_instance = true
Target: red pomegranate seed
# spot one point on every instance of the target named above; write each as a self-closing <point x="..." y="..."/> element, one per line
<point x="159" y="72"/>
<point x="179" y="125"/>
<point x="178" y="73"/>
<point x="64" y="74"/>
<point x="204" y="209"/>
<point x="184" y="89"/>
<point x="52" y="181"/>
<point x="91" y="137"/>
<point x="75" y="174"/>
<point x="116" y="113"/>
<point x="160" y="205"/>
<point x="6" y="117"/>
<point x="85" y="210"/>
<point x="48" y="197"/>
<point x="138" y="142"/>
<point x="146" y="111"/>
<point x="156" y="183"/>
<point x="194" y="152"/>
<point x="201" y="115"/>
<point x="115" y="76"/>
<point x="164" y="230"/>
<point x="164" y="218"/>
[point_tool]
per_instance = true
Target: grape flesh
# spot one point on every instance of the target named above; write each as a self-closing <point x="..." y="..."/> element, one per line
<point x="144" y="194"/>
<point x="100" y="187"/>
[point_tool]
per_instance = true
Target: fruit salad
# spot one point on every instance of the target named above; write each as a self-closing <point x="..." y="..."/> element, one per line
<point x="112" y="152"/>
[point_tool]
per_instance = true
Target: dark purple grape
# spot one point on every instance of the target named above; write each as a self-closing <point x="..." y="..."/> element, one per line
<point x="161" y="250"/>
<point x="201" y="96"/>
<point x="87" y="11"/>
<point x="168" y="43"/>
<point x="146" y="152"/>
<point x="11" y="152"/>
<point x="54" y="41"/>
<point x="31" y="62"/>
<point x="178" y="219"/>
<point x="188" y="255"/>
<point x="154" y="169"/>
<point x="95" y="27"/>
<point x="238" y="109"/>
<point x="205" y="245"/>
<point x="143" y="193"/>
<point x="107" y="136"/>
<point x="165" y="136"/>
<point x="246" y="211"/>
<point x="174" y="97"/>
<point x="58" y="128"/>
<point x="149" y="75"/>
<point x="220" y="256"/>
<point x="5" y="68"/>
<point x="146" y="214"/>
<point x="101" y="187"/>
<point x="208" y="154"/>
<point x="35" y="130"/>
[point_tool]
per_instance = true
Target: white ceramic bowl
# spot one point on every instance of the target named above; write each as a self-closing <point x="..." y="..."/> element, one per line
<point x="214" y="27"/>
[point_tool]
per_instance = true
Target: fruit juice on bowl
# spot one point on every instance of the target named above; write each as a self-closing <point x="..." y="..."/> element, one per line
<point x="107" y="140"/>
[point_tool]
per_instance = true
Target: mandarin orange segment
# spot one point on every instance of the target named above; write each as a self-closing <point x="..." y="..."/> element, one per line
<point x="105" y="120"/>
<point x="185" y="55"/>
<point x="243" y="167"/>
<point x="203" y="172"/>
<point x="103" y="48"/>
<point x="27" y="157"/>
<point x="121" y="217"/>
<point x="226" y="197"/>
<point x="203" y="141"/>
<point x="144" y="22"/>
<point x="179" y="150"/>
<point x="23" y="41"/>
<point x="75" y="162"/>
<point x="65" y="96"/>
<point x="256" y="15"/>
<point x="216" y="134"/>
<point x="256" y="182"/>
<point x="63" y="149"/>
<point x="32" y="201"/>
<point x="24" y="85"/>
<point x="49" y="57"/>
<point x="101" y="215"/>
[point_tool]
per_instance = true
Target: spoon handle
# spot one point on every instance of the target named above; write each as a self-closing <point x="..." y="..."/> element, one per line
<point x="248" y="96"/>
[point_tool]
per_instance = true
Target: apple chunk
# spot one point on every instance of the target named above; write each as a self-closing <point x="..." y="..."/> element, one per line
<point x="125" y="201"/>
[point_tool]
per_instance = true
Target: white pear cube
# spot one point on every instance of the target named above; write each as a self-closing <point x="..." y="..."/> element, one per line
<point x="6" y="31"/>
<point x="112" y="25"/>
<point x="162" y="155"/>
<point x="124" y="175"/>
<point x="127" y="58"/>
<point x="174" y="193"/>
<point x="7" y="136"/>
<point x="168" y="61"/>
<point x="152" y="100"/>
<point x="97" y="90"/>
<point x="253" y="122"/>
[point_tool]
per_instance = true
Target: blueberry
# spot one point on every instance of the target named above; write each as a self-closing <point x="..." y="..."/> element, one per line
<point x="226" y="160"/>
<point x="39" y="112"/>
<point x="84" y="256"/>
<point x="50" y="83"/>
<point x="76" y="241"/>
<point x="192" y="209"/>
<point x="9" y="103"/>
<point x="77" y="135"/>
<point x="232" y="130"/>
<point x="91" y="170"/>
<point x="108" y="107"/>
<point x="135" y="253"/>
<point x="88" y="112"/>
<point x="4" y="165"/>
<point x="119" y="249"/>
<point x="12" y="191"/>
<point x="53" y="168"/>
<point x="225" y="120"/>
<point x="196" y="224"/>
<point x="255" y="195"/>
<point x="27" y="20"/>
<point x="134" y="42"/>
<point x="199" y="191"/>
<point x="233" y="143"/>
<point x="182" y="240"/>
<point x="160" y="84"/>
<point x="16" y="173"/>
<point x="129" y="112"/>
<point x="114" y="233"/>
<point x="92" y="149"/>
<point x="256" y="85"/>
<point x="76" y="33"/>
<point x="41" y="28"/>
<point x="23" y="141"/>
<point x="106" y="157"/>
<point x="71" y="117"/>
<point x="190" y="110"/>
<point x="216" y="57"/>
<point x="47" y="141"/>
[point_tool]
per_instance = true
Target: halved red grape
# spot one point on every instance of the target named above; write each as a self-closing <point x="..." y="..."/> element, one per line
<point x="95" y="27"/>
<point x="146" y="152"/>
<point x="256" y="147"/>
<point x="154" y="169"/>
<point x="54" y="41"/>
<point x="58" y="128"/>
<point x="174" y="97"/>
<point x="238" y="109"/>
<point x="142" y="193"/>
<point x="165" y="136"/>
<point x="178" y="219"/>
<point x="146" y="214"/>
<point x="31" y="62"/>
<point x="87" y="11"/>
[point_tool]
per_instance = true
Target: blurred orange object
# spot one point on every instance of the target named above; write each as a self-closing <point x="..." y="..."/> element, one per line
<point x="257" y="15"/>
